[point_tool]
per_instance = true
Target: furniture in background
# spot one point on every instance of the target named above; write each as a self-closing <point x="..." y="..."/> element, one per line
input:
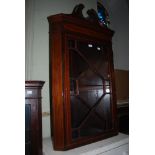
<point x="123" y="117"/>
<point x="122" y="85"/>
<point x="122" y="91"/>
<point x="82" y="89"/>
<point x="33" y="118"/>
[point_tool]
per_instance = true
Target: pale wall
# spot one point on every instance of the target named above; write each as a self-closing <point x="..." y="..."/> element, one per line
<point x="37" y="41"/>
<point x="119" y="17"/>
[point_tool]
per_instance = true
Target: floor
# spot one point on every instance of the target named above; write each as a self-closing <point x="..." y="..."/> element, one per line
<point x="90" y="149"/>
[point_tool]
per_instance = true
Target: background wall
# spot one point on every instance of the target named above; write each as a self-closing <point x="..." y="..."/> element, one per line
<point x="119" y="17"/>
<point x="37" y="41"/>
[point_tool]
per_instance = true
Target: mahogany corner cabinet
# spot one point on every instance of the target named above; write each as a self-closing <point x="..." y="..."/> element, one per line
<point x="82" y="85"/>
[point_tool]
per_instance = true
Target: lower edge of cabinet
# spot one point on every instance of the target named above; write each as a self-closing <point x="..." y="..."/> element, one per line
<point x="83" y="142"/>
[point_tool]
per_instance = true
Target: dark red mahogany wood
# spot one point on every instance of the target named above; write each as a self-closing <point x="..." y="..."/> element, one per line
<point x="33" y="117"/>
<point x="70" y="57"/>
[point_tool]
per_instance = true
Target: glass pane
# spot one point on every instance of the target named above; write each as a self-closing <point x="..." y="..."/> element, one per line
<point x="79" y="111"/>
<point x="88" y="77"/>
<point x="27" y="122"/>
<point x="104" y="110"/>
<point x="95" y="54"/>
<point x="90" y="97"/>
<point x="75" y="134"/>
<point x="92" y="126"/>
<point x="78" y="65"/>
<point x="27" y="129"/>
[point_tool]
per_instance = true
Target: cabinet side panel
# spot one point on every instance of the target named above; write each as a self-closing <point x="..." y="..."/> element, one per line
<point x="114" y="97"/>
<point x="57" y="90"/>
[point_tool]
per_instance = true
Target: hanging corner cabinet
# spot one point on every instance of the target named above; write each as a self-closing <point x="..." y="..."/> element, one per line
<point x="82" y="85"/>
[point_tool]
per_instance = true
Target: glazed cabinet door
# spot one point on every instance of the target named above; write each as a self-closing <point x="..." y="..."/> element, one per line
<point x="83" y="101"/>
<point x="90" y="88"/>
